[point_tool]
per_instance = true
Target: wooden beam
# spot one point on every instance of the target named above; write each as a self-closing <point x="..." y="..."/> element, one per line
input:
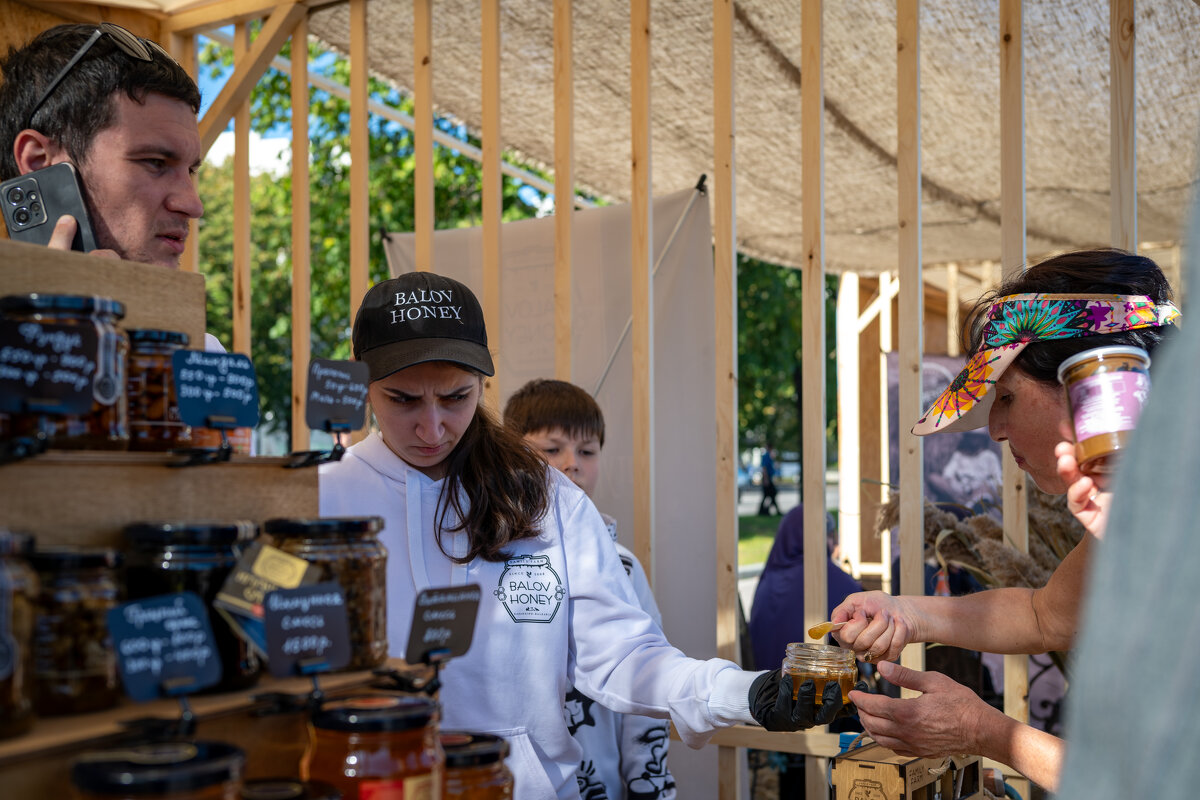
<point x="1123" y="124"/>
<point x="641" y="213"/>
<point x="812" y="390"/>
<point x="731" y="763"/>
<point x="564" y="182"/>
<point x="849" y="422"/>
<point x="360" y="200"/>
<point x="423" y="133"/>
<point x="1014" y="498"/>
<point x="492" y="182"/>
<point x="301" y="244"/>
<point x="887" y="288"/>
<point x="242" y="214"/>
<point x="275" y="31"/>
<point x="229" y="12"/>
<point x="182" y="48"/>
<point x="912" y="299"/>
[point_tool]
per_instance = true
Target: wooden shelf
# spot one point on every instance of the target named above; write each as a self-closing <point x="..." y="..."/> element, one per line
<point x="88" y="497"/>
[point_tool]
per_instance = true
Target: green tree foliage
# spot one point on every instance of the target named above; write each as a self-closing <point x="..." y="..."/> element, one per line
<point x="770" y="345"/>
<point x="457" y="202"/>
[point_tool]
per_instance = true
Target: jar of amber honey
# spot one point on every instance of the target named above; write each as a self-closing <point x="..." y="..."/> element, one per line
<point x="822" y="663"/>
<point x="475" y="767"/>
<point x="197" y="770"/>
<point x="154" y="422"/>
<point x="381" y="745"/>
<point x="18" y="604"/>
<point x="1106" y="389"/>
<point x="288" y="789"/>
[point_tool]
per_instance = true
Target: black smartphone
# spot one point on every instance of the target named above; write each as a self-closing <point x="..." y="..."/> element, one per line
<point x="32" y="203"/>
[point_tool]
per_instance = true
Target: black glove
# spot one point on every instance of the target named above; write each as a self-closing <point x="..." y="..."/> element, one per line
<point x="772" y="705"/>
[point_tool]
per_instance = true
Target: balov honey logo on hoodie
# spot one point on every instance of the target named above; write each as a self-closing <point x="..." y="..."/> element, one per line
<point x="530" y="589"/>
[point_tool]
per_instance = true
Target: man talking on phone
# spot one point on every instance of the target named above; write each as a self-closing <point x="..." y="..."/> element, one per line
<point x="123" y="112"/>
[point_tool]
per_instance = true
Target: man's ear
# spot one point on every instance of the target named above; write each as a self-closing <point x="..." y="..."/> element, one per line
<point x="35" y="150"/>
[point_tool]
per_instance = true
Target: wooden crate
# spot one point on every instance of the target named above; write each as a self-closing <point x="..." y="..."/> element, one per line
<point x="875" y="773"/>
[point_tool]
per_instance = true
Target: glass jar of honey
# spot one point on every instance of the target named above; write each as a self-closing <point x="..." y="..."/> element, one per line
<point x="347" y="551"/>
<point x="18" y="599"/>
<point x="822" y="663"/>
<point x="475" y="767"/>
<point x="75" y="665"/>
<point x="198" y="770"/>
<point x="154" y="422"/>
<point x="195" y="556"/>
<point x="381" y="745"/>
<point x="1106" y="389"/>
<point x="96" y="350"/>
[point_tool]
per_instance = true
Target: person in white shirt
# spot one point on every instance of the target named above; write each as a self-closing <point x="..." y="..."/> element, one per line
<point x="465" y="501"/>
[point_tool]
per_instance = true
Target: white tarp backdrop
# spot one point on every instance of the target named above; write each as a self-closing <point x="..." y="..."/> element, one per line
<point x="684" y="573"/>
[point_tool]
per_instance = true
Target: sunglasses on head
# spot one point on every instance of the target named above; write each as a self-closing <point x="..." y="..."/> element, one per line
<point x="129" y="44"/>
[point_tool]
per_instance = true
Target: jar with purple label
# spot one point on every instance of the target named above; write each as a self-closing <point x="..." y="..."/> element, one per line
<point x="1106" y="390"/>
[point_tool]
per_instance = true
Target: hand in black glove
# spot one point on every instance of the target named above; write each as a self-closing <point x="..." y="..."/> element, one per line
<point x="772" y="705"/>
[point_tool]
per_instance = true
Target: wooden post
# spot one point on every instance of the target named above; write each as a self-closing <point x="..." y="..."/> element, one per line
<point x="1014" y="497"/>
<point x="912" y="300"/>
<point x="849" y="423"/>
<point x="423" y="221"/>
<point x="182" y="46"/>
<point x="812" y="183"/>
<point x="492" y="188"/>
<point x="301" y="248"/>
<point x="1123" y="123"/>
<point x="241" y="206"/>
<point x="564" y="184"/>
<point x="887" y="293"/>
<point x="731" y="763"/>
<point x="641" y="213"/>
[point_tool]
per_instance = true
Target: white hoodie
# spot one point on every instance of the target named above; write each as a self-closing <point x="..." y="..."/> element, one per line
<point x="558" y="612"/>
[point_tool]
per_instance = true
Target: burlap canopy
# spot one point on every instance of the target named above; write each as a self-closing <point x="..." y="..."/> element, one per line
<point x="1066" y="105"/>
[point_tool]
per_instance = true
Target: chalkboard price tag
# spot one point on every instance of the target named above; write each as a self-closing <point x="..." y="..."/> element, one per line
<point x="165" y="646"/>
<point x="307" y="629"/>
<point x="337" y="395"/>
<point x="215" y="390"/>
<point x="47" y="368"/>
<point x="443" y="619"/>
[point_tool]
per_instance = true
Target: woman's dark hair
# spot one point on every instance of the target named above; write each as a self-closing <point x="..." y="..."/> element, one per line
<point x="507" y="489"/>
<point x="1098" y="272"/>
<point x="82" y="105"/>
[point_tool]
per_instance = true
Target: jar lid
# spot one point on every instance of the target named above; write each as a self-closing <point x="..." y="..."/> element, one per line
<point x="80" y="303"/>
<point x="154" y="336"/>
<point x="158" y="769"/>
<point x="15" y="544"/>
<point x="324" y="526"/>
<point x="375" y="713"/>
<point x="464" y="749"/>
<point x="1101" y="353"/>
<point x="203" y="532"/>
<point x="53" y="559"/>
<point x="288" y="789"/>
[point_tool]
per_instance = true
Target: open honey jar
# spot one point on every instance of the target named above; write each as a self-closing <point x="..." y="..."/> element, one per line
<point x="1106" y="389"/>
<point x="821" y="663"/>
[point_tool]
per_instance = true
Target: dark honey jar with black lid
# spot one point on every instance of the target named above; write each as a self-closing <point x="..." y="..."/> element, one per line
<point x="75" y="665"/>
<point x="169" y="557"/>
<point x="18" y="603"/>
<point x="375" y="745"/>
<point x="347" y="551"/>
<point x="91" y="323"/>
<point x="194" y="770"/>
<point x="475" y="767"/>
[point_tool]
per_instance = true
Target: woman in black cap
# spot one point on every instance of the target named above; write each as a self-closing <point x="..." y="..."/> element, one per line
<point x="467" y="502"/>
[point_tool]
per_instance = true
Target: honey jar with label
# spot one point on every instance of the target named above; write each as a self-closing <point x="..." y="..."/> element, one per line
<point x="1106" y="389"/>
<point x="379" y="745"/>
<point x="154" y="422"/>
<point x="475" y="767"/>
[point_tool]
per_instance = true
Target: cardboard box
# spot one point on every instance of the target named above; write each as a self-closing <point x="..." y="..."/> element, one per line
<point x="873" y="772"/>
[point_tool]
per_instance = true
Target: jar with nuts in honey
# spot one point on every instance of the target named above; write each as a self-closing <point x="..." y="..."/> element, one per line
<point x="75" y="665"/>
<point x="475" y="767"/>
<point x="822" y="663"/>
<point x="18" y="596"/>
<point x="154" y="422"/>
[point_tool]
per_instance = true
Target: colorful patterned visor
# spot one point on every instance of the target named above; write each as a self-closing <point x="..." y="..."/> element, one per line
<point x="1018" y="319"/>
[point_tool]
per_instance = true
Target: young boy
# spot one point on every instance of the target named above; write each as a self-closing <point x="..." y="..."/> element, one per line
<point x="624" y="756"/>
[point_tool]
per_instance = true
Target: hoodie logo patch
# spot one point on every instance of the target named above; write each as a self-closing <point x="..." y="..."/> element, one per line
<point x="530" y="589"/>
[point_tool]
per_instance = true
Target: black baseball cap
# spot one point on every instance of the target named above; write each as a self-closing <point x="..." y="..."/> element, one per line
<point x="419" y="317"/>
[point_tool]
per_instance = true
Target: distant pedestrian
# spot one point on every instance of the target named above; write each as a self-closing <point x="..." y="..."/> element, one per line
<point x="768" y="502"/>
